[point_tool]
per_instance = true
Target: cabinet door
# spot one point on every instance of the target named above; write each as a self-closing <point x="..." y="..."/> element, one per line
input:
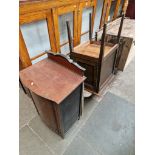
<point x="70" y="108"/>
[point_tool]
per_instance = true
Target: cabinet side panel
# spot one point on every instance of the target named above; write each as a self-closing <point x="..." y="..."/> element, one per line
<point x="125" y="52"/>
<point x="46" y="111"/>
<point x="107" y="68"/>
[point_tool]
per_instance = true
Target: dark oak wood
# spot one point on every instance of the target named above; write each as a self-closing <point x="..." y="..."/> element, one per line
<point x="120" y="28"/>
<point x="69" y="37"/>
<point x="126" y="40"/>
<point x="90" y="27"/>
<point x="56" y="88"/>
<point x="118" y="54"/>
<point x="97" y="57"/>
<point x="125" y="47"/>
<point x="117" y="39"/>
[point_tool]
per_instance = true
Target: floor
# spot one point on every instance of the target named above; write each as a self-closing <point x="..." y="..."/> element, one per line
<point x="37" y="139"/>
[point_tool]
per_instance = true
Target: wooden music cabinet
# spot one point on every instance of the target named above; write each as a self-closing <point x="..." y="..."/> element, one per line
<point x="127" y="39"/>
<point x="98" y="57"/>
<point x="56" y="88"/>
<point x="98" y="67"/>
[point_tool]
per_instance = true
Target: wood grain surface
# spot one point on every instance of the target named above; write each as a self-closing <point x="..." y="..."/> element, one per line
<point x="51" y="80"/>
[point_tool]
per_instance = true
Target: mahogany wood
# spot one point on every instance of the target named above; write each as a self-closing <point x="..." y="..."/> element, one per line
<point x="56" y="88"/>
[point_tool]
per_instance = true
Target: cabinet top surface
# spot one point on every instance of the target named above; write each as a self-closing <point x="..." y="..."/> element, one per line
<point x="51" y="80"/>
<point x="92" y="50"/>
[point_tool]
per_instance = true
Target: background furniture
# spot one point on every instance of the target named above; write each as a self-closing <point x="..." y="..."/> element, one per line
<point x="49" y="13"/>
<point x="126" y="39"/>
<point x="97" y="57"/>
<point x="56" y="88"/>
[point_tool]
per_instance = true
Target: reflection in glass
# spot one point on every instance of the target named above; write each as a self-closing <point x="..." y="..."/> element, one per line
<point x="98" y="15"/>
<point x="65" y="49"/>
<point x="36" y="37"/>
<point x="84" y="38"/>
<point x="39" y="59"/>
<point x="85" y="23"/>
<point x="63" y="31"/>
<point x="85" y="19"/>
<point x="63" y="28"/>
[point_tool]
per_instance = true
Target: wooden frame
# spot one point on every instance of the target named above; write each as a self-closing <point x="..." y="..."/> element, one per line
<point x="23" y="53"/>
<point x="116" y="9"/>
<point x="63" y="10"/>
<point x="106" y="10"/>
<point x="32" y="6"/>
<point x="125" y="5"/>
<point x="83" y="5"/>
<point x="29" y="18"/>
<point x="31" y="11"/>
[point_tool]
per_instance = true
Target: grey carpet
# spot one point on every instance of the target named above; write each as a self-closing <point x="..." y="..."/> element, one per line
<point x="108" y="131"/>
